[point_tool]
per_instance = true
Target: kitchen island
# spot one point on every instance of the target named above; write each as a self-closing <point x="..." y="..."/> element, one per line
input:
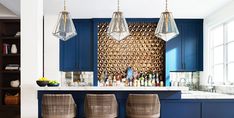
<point x="176" y="102"/>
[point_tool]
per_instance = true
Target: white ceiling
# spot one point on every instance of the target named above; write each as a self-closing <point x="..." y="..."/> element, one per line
<point x="135" y="8"/>
<point x="131" y="8"/>
<point x="5" y="13"/>
<point x="12" y="5"/>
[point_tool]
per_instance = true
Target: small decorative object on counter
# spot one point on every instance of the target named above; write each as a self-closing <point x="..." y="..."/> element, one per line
<point x="53" y="83"/>
<point x="42" y="82"/>
<point x="13" y="49"/>
<point x="15" y="83"/>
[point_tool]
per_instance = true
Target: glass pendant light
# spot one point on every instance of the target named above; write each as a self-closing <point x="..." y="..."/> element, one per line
<point x="166" y="28"/>
<point x="118" y="27"/>
<point x="65" y="28"/>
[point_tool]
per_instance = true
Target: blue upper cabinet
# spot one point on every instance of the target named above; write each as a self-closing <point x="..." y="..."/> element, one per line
<point x="76" y="54"/>
<point x="185" y="52"/>
<point x="174" y="52"/>
<point x="68" y="52"/>
<point x="192" y="45"/>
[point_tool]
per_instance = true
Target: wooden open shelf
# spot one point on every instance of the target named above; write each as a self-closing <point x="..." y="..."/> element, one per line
<point x="8" y="29"/>
<point x="10" y="55"/>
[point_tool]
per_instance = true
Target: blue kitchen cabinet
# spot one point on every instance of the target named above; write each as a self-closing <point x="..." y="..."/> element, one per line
<point x="185" y="52"/>
<point x="218" y="109"/>
<point x="180" y="109"/>
<point x="76" y="54"/>
<point x="192" y="43"/>
<point x="68" y="52"/>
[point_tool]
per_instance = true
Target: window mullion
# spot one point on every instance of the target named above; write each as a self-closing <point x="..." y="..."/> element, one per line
<point x="225" y="53"/>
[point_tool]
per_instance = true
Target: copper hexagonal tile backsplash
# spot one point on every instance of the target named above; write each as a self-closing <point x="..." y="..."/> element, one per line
<point x="142" y="51"/>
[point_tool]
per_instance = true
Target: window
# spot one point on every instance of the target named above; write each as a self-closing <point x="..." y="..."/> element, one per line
<point x="222" y="53"/>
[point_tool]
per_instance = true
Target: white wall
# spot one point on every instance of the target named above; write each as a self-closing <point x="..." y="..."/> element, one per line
<point x="217" y="17"/>
<point x="51" y="49"/>
<point x="31" y="53"/>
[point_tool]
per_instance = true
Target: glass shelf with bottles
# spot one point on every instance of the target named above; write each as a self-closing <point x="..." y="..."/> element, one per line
<point x="131" y="79"/>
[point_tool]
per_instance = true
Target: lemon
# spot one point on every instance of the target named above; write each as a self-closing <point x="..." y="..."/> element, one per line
<point x="43" y="79"/>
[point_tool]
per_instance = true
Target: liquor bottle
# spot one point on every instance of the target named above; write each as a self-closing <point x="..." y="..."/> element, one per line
<point x="146" y="79"/>
<point x="114" y="80"/>
<point x="149" y="79"/>
<point x="134" y="82"/>
<point x="153" y="79"/>
<point x="118" y="80"/>
<point x="110" y="80"/>
<point x="157" y="79"/>
<point x="142" y="79"/>
<point x="161" y="82"/>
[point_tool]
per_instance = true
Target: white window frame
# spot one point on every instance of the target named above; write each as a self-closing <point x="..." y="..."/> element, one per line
<point x="225" y="52"/>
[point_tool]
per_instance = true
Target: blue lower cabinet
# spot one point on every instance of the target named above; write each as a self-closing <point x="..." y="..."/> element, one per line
<point x="180" y="109"/>
<point x="218" y="109"/>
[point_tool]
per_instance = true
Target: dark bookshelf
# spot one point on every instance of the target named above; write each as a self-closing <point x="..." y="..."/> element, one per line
<point x="8" y="30"/>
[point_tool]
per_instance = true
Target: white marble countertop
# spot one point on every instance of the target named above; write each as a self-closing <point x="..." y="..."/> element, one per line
<point x="186" y="94"/>
<point x="95" y="88"/>
<point x="204" y="95"/>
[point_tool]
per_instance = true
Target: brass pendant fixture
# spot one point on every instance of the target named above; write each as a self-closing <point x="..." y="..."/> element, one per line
<point x="166" y="28"/>
<point x="64" y="28"/>
<point x="118" y="27"/>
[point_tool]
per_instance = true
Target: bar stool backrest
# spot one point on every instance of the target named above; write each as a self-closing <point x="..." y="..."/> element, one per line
<point x="101" y="106"/>
<point x="143" y="106"/>
<point x="58" y="106"/>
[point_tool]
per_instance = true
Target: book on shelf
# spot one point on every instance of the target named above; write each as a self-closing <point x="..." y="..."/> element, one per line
<point x="12" y="67"/>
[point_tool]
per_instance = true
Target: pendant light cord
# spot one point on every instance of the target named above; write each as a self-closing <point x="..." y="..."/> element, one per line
<point x="118" y="5"/>
<point x="166" y="5"/>
<point x="65" y="7"/>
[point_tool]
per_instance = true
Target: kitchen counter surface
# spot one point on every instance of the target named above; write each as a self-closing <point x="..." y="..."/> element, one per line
<point x="185" y="93"/>
<point x="204" y="95"/>
<point x="95" y="88"/>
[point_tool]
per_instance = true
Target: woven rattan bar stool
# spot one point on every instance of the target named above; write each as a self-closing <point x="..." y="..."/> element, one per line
<point x="101" y="106"/>
<point x="58" y="106"/>
<point x="143" y="106"/>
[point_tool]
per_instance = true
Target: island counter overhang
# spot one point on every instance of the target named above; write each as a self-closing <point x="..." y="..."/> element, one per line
<point x="173" y="103"/>
<point x="121" y="93"/>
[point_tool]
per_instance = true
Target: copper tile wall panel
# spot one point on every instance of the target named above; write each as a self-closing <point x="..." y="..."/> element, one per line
<point x="142" y="51"/>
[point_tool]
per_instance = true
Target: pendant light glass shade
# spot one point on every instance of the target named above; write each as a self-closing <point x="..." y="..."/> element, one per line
<point x="64" y="28"/>
<point x="166" y="27"/>
<point x="118" y="27"/>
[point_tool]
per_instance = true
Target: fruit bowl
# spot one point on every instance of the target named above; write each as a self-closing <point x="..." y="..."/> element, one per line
<point x="52" y="85"/>
<point x="42" y="83"/>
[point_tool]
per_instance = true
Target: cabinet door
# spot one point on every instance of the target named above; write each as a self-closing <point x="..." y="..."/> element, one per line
<point x="189" y="46"/>
<point x="180" y="109"/>
<point x="173" y="53"/>
<point x="68" y="54"/>
<point x="218" y="109"/>
<point x="192" y="44"/>
<point x="85" y="45"/>
<point x="76" y="54"/>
